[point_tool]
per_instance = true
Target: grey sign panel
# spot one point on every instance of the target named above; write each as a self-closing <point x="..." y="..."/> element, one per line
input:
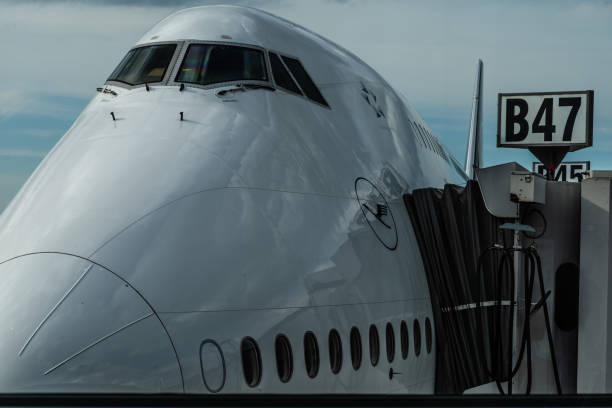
<point x="566" y="171"/>
<point x="545" y="119"/>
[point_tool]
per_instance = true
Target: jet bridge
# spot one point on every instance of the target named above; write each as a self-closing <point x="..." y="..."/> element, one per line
<point x="481" y="302"/>
<point x="518" y="263"/>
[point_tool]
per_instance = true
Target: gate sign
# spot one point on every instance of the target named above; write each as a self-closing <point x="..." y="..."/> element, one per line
<point x="545" y="119"/>
<point x="566" y="171"/>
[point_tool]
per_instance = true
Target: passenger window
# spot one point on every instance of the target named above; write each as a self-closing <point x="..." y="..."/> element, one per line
<point x="251" y="361"/>
<point x="335" y="351"/>
<point x="390" y="341"/>
<point x="428" y="335"/>
<point x="144" y="65"/>
<point x="404" y="339"/>
<point x="374" y="346"/>
<point x="355" y="339"/>
<point x="428" y="136"/>
<point x="423" y="135"/>
<point x="416" y="331"/>
<point x="418" y="134"/>
<point x="281" y="75"/>
<point x="304" y="80"/>
<point x="206" y="64"/>
<point x="311" y="354"/>
<point x="438" y="145"/>
<point x="284" y="358"/>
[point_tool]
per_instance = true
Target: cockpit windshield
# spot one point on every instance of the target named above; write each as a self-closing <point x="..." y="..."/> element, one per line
<point x="206" y="64"/>
<point x="144" y="65"/>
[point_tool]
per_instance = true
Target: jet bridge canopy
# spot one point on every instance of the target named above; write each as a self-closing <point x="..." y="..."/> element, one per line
<point x="453" y="227"/>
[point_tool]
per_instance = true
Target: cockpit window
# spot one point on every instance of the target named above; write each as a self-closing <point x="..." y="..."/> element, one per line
<point x="144" y="65"/>
<point x="306" y="83"/>
<point x="281" y="76"/>
<point x="206" y="64"/>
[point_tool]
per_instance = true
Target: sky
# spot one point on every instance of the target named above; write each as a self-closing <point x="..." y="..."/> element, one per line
<point x="55" y="53"/>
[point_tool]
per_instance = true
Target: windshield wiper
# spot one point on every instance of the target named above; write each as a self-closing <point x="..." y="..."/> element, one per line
<point x="259" y="86"/>
<point x="245" y="87"/>
<point x="107" y="91"/>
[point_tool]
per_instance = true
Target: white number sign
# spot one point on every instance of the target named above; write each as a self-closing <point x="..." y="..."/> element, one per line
<point x="563" y="119"/>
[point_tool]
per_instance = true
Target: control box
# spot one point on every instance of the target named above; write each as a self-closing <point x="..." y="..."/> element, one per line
<point x="527" y="187"/>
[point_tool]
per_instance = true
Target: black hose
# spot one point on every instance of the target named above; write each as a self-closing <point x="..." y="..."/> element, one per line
<point x="532" y="265"/>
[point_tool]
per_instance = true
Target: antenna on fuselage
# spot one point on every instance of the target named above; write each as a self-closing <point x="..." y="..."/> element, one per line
<point x="473" y="158"/>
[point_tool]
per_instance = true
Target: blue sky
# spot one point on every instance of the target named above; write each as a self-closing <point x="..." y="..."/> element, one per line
<point x="55" y="53"/>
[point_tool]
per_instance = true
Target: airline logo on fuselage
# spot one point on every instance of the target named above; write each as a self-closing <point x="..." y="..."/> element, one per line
<point x="377" y="212"/>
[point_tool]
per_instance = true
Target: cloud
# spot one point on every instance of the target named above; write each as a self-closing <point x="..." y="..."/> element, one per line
<point x="603" y="130"/>
<point x="38" y="133"/>
<point x="16" y="102"/>
<point x="12" y="102"/>
<point x="22" y="153"/>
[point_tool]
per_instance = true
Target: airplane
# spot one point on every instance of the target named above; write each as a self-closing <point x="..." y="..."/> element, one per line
<point x="226" y="216"/>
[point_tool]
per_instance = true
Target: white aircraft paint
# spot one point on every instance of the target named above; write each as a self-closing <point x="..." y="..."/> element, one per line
<point x="142" y="241"/>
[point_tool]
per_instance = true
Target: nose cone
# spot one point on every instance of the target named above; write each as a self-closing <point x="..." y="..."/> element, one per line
<point x="68" y="325"/>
